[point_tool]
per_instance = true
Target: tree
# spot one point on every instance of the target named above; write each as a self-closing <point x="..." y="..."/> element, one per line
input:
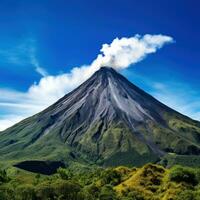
<point x="25" y="192"/>
<point x="107" y="193"/>
<point x="183" y="174"/>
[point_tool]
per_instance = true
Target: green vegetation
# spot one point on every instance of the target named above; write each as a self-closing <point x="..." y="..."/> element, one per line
<point x="150" y="182"/>
<point x="177" y="137"/>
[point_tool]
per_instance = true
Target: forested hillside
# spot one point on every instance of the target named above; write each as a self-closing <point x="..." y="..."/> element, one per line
<point x="150" y="182"/>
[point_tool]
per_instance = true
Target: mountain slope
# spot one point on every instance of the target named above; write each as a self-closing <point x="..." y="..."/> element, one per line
<point x="106" y="120"/>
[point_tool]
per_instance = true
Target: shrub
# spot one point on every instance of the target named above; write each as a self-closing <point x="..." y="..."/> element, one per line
<point x="7" y="193"/>
<point x="110" y="176"/>
<point x="66" y="190"/>
<point x="25" y="192"/>
<point x="64" y="174"/>
<point x="186" y="195"/>
<point x="107" y="193"/>
<point x="3" y="177"/>
<point x="45" y="191"/>
<point x="135" y="195"/>
<point x="93" y="190"/>
<point x="183" y="174"/>
<point x="59" y="190"/>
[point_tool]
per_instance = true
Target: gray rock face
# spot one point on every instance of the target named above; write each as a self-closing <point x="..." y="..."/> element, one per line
<point x="106" y="95"/>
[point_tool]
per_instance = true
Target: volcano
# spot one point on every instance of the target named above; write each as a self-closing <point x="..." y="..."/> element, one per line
<point x="107" y="121"/>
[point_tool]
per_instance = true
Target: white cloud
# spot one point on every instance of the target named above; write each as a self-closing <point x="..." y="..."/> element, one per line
<point x="22" y="54"/>
<point x="120" y="54"/>
<point x="9" y="120"/>
<point x="178" y="95"/>
<point x="174" y="95"/>
<point x="34" y="61"/>
<point x="41" y="71"/>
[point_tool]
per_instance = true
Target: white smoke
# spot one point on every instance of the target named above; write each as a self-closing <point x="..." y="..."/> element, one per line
<point x="120" y="54"/>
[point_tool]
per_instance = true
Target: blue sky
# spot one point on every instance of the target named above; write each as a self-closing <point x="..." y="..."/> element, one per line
<point x="48" y="38"/>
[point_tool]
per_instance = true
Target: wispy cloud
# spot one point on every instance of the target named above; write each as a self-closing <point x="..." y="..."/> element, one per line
<point x="34" y="61"/>
<point x="178" y="96"/>
<point x="120" y="54"/>
<point x="8" y="120"/>
<point x="15" y="54"/>
<point x="22" y="54"/>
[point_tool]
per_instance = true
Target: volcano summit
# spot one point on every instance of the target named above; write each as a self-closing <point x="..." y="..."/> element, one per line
<point x="106" y="120"/>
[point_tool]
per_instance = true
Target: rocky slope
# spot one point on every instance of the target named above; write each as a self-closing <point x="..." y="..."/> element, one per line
<point x="106" y="120"/>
